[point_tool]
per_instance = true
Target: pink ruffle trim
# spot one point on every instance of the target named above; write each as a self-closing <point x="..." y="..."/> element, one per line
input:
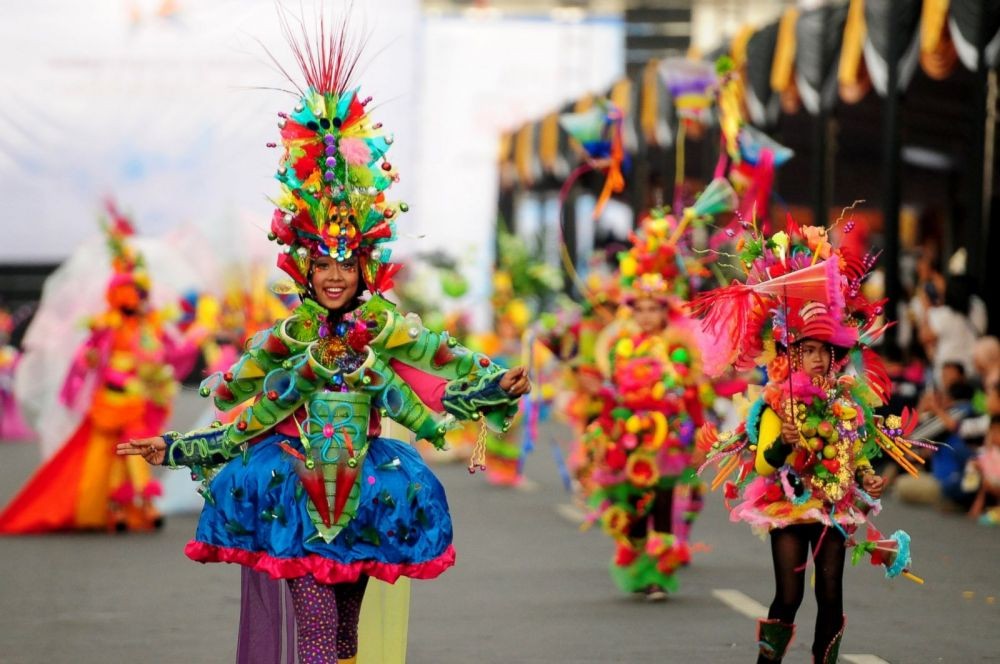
<point x="322" y="569"/>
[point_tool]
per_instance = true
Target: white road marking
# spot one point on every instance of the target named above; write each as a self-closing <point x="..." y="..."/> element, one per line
<point x="571" y="513"/>
<point x="527" y="486"/>
<point x="751" y="608"/>
<point x="740" y="602"/>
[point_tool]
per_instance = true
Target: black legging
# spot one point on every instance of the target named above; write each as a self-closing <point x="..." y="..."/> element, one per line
<point x="789" y="550"/>
<point x="662" y="512"/>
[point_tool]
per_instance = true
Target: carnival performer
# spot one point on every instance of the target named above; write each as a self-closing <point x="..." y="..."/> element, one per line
<point x="125" y="377"/>
<point x="522" y="285"/>
<point x="802" y="457"/>
<point x="12" y="424"/>
<point x="302" y="486"/>
<point x="642" y="441"/>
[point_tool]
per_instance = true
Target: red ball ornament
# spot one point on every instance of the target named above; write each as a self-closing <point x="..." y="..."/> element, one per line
<point x="484" y="361"/>
<point x="228" y="376"/>
<point x="386" y="166"/>
<point x="272" y="395"/>
<point x="241" y="425"/>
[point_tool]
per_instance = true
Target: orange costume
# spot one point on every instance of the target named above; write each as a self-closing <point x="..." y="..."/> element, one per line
<point x="125" y="374"/>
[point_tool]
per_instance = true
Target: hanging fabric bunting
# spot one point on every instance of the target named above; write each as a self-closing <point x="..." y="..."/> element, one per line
<point x="548" y="147"/>
<point x="938" y="57"/>
<point x="505" y="160"/>
<point x="738" y="57"/>
<point x="968" y="17"/>
<point x="852" y="75"/>
<point x="903" y="17"/>
<point x="525" y="158"/>
<point x="762" y="105"/>
<point x="738" y="47"/>
<point x="783" y="65"/>
<point x="654" y="108"/>
<point x="818" y="35"/>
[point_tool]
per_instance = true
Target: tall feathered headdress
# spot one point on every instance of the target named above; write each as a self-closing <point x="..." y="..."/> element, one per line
<point x="796" y="285"/>
<point x="334" y="172"/>
<point x="656" y="265"/>
<point x="126" y="262"/>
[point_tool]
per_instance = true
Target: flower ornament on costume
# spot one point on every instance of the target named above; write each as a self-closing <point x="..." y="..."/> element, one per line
<point x="654" y="266"/>
<point x="798" y="286"/>
<point x="334" y="174"/>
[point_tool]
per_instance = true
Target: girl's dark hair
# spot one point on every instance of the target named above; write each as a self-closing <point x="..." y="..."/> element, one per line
<point x="837" y="354"/>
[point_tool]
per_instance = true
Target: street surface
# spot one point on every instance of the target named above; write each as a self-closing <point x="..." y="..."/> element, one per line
<point x="528" y="587"/>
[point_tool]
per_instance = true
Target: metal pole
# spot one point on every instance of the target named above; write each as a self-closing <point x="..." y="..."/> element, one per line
<point x="977" y="208"/>
<point x="890" y="171"/>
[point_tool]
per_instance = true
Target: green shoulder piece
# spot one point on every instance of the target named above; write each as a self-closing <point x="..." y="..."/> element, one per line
<point x="389" y="392"/>
<point x="405" y="338"/>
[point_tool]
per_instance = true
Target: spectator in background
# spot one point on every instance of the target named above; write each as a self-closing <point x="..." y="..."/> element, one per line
<point x="946" y="331"/>
<point x="986" y="361"/>
<point x="943" y="410"/>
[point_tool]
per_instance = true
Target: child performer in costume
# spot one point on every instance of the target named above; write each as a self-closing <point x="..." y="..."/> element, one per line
<point x="523" y="283"/>
<point x="302" y="486"/>
<point x="643" y="439"/>
<point x="800" y="464"/>
<point x="124" y="374"/>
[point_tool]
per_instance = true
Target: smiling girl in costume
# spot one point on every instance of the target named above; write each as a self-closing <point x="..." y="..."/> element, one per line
<point x="302" y="486"/>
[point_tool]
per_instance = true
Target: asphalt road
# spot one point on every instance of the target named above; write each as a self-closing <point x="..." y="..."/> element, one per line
<point x="528" y="587"/>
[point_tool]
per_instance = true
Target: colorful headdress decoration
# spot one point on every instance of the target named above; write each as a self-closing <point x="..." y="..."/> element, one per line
<point x="126" y="262"/>
<point x="690" y="83"/>
<point x="654" y="266"/>
<point x="599" y="131"/>
<point x="334" y="172"/>
<point x="748" y="156"/>
<point x="795" y="286"/>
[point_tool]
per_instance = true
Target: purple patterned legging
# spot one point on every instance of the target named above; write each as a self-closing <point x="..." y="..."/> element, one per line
<point x="326" y="618"/>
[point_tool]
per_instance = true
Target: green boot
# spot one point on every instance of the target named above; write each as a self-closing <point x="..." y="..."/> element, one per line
<point x="832" y="648"/>
<point x="773" y="638"/>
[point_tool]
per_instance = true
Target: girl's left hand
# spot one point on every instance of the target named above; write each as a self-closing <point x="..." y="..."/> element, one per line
<point x="515" y="382"/>
<point x="873" y="485"/>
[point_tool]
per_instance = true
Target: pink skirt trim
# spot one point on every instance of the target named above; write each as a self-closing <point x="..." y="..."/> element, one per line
<point x="322" y="569"/>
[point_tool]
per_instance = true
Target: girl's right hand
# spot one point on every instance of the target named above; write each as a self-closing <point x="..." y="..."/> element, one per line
<point x="153" y="450"/>
<point x="790" y="433"/>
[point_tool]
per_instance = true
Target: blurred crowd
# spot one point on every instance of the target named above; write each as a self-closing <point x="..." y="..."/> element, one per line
<point x="948" y="368"/>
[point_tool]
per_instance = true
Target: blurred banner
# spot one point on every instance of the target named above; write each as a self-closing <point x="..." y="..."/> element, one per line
<point x="483" y="74"/>
<point x="166" y="104"/>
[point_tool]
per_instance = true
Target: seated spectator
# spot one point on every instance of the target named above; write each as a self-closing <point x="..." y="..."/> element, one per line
<point x="943" y="412"/>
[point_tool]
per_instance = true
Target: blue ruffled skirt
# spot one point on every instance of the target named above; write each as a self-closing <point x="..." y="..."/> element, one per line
<point x="256" y="516"/>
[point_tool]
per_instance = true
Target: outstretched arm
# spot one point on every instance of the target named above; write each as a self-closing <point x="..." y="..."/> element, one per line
<point x="204" y="448"/>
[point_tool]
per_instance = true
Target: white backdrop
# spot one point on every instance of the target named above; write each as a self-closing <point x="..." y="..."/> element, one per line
<point x="480" y="77"/>
<point x="110" y="97"/>
<point x="162" y="112"/>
